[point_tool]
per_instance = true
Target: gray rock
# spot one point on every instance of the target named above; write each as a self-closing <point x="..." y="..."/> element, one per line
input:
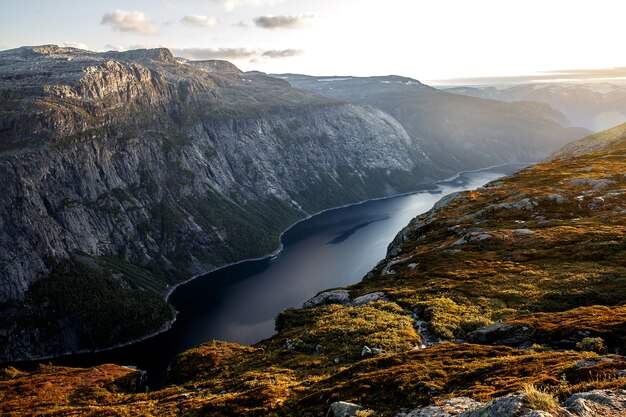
<point x="596" y="184"/>
<point x="523" y="232"/>
<point x="449" y="408"/>
<point x="366" y="351"/>
<point x="369" y="298"/>
<point x="343" y="409"/>
<point x="557" y="198"/>
<point x="472" y="238"/>
<point x="597" y="403"/>
<point x="508" y="406"/>
<point x="328" y="297"/>
<point x="586" y="363"/>
<point x="501" y="334"/>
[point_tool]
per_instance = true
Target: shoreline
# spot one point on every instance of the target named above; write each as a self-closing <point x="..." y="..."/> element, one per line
<point x="166" y="295"/>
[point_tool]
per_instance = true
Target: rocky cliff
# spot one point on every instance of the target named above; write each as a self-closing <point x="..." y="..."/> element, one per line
<point x="457" y="131"/>
<point x="125" y="173"/>
<point x="506" y="301"/>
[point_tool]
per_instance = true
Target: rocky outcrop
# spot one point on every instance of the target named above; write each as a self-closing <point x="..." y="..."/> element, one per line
<point x="149" y="170"/>
<point x="343" y="409"/>
<point x="343" y="297"/>
<point x="597" y="403"/>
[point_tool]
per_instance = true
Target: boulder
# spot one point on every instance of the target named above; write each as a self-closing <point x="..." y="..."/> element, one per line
<point x="328" y="297"/>
<point x="597" y="403"/>
<point x="343" y="409"/>
<point x="450" y="408"/>
<point x="369" y="298"/>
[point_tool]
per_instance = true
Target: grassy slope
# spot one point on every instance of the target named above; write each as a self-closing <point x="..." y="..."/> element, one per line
<point x="554" y="264"/>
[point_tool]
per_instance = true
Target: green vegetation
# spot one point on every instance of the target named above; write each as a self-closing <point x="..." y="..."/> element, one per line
<point x="103" y="312"/>
<point x="591" y="344"/>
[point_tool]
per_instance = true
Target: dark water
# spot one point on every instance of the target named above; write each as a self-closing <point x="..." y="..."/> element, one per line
<point x="239" y="303"/>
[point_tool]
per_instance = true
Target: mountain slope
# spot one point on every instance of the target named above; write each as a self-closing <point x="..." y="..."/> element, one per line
<point x="595" y="106"/>
<point x="603" y="141"/>
<point x="516" y="288"/>
<point x="125" y="173"/>
<point x="455" y="131"/>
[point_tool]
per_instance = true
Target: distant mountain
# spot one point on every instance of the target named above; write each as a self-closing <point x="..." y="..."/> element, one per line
<point x="124" y="173"/>
<point x="457" y="132"/>
<point x="595" y="106"/>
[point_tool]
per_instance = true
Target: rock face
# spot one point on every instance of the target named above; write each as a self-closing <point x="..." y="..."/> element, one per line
<point x="147" y="170"/>
<point x="457" y="131"/>
<point x="343" y="409"/>
<point x="597" y="403"/>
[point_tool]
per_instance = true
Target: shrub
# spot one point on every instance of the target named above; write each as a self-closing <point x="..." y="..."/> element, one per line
<point x="537" y="399"/>
<point x="591" y="344"/>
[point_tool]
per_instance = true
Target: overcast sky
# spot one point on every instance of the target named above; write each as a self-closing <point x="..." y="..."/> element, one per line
<point x="427" y="40"/>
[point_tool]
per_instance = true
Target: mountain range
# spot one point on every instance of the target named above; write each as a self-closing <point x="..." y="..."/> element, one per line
<point x="595" y="106"/>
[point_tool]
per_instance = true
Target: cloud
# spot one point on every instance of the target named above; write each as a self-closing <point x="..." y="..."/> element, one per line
<point x="230" y="54"/>
<point x="200" y="21"/>
<point x="215" y="53"/>
<point x="232" y="4"/>
<point x="127" y="21"/>
<point x="282" y="53"/>
<point x="76" y="45"/>
<point x="282" y="22"/>
<point x="168" y="4"/>
<point x="119" y="48"/>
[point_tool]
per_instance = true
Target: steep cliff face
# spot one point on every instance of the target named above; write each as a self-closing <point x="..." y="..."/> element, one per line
<point x="124" y="173"/>
<point x="457" y="131"/>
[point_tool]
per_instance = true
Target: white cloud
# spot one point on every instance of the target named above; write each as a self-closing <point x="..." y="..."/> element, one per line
<point x="215" y="53"/>
<point x="282" y="22"/>
<point x="78" y="45"/>
<point x="232" y="4"/>
<point x="234" y="53"/>
<point x="130" y="21"/>
<point x="168" y="4"/>
<point x="200" y="21"/>
<point x="119" y="48"/>
<point x="109" y="47"/>
<point x="282" y="53"/>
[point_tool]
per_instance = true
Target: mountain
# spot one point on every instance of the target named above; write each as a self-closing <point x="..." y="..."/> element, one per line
<point x="125" y="173"/>
<point x="595" y="106"/>
<point x="609" y="139"/>
<point x="457" y="132"/>
<point x="500" y="302"/>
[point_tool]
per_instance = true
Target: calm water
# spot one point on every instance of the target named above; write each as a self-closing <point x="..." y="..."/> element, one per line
<point x="239" y="303"/>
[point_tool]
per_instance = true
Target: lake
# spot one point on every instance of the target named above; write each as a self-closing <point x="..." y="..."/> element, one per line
<point x="238" y="303"/>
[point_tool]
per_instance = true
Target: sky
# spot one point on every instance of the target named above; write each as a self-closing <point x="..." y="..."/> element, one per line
<point x="434" y="41"/>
